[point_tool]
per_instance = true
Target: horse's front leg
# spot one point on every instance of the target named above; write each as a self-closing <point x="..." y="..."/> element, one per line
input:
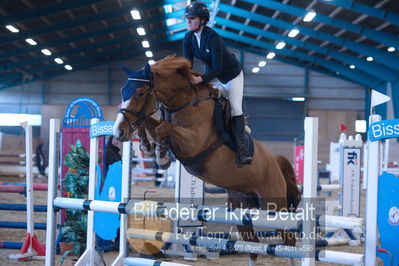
<point x="162" y="145"/>
<point x="145" y="145"/>
<point x="186" y="139"/>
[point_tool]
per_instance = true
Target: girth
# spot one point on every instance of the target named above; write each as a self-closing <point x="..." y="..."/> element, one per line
<point x="194" y="165"/>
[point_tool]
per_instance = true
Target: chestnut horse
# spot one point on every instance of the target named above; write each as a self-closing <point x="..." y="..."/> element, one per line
<point x="194" y="139"/>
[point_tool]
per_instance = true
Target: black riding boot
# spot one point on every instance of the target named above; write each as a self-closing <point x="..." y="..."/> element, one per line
<point x="238" y="130"/>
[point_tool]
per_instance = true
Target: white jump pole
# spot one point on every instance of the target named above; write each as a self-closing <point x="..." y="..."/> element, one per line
<point x="373" y="162"/>
<point x="119" y="261"/>
<point x="29" y="179"/>
<point x="51" y="194"/>
<point x="310" y="185"/>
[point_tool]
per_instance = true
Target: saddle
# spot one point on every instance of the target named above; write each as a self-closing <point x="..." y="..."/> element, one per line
<point x="223" y="123"/>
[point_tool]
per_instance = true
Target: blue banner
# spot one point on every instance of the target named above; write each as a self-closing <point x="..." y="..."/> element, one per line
<point x="102" y="129"/>
<point x="385" y="129"/>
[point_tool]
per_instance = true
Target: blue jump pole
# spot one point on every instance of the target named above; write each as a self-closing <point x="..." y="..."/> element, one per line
<point x="10" y="245"/>
<point x="21" y="225"/>
<point x="22" y="207"/>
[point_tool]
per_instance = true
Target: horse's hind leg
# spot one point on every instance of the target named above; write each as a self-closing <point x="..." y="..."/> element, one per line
<point x="247" y="233"/>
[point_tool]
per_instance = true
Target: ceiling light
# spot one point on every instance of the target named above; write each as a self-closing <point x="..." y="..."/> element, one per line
<point x="293" y="33"/>
<point x="135" y="14"/>
<point x="369" y="59"/>
<point x="58" y="60"/>
<point x="391" y="49"/>
<point x="298" y="99"/>
<point x="352" y="67"/>
<point x="280" y="45"/>
<point x="12" y="28"/>
<point x="46" y="51"/>
<point x="255" y="70"/>
<point x="145" y="44"/>
<point x="148" y="54"/>
<point x="262" y="63"/>
<point x="270" y="55"/>
<point x="168" y="9"/>
<point x="68" y="67"/>
<point x="151" y="61"/>
<point x="309" y="16"/>
<point x="30" y="41"/>
<point x="141" y="31"/>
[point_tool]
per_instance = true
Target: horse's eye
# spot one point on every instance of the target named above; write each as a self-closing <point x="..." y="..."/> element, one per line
<point x="140" y="94"/>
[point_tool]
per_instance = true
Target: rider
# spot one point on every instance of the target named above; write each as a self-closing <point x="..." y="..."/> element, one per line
<point x="223" y="68"/>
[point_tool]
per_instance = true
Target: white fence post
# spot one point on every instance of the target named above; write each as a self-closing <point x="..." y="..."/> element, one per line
<point x="51" y="194"/>
<point x="310" y="185"/>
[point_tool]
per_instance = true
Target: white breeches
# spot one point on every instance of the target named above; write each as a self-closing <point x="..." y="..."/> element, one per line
<point x="233" y="90"/>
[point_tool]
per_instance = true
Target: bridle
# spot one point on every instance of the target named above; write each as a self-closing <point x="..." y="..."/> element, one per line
<point x="142" y="115"/>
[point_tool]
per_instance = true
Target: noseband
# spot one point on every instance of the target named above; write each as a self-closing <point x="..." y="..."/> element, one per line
<point x="141" y="116"/>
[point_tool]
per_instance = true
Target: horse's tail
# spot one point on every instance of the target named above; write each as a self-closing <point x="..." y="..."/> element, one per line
<point x="293" y="192"/>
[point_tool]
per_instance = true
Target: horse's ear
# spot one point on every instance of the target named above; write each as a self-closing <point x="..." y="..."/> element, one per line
<point x="126" y="69"/>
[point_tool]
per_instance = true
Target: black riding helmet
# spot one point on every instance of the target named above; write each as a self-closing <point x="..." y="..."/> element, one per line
<point x="197" y="9"/>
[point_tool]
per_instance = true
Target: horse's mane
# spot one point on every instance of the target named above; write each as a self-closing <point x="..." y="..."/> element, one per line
<point x="171" y="64"/>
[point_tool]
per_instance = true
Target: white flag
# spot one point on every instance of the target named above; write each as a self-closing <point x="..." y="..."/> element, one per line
<point x="378" y="98"/>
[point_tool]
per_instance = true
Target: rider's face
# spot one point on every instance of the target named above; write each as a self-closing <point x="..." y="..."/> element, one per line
<point x="193" y="23"/>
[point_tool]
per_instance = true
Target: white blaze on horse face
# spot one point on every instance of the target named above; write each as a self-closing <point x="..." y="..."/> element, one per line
<point x="119" y="118"/>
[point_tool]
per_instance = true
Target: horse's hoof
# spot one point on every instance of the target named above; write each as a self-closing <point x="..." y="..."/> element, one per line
<point x="164" y="163"/>
<point x="148" y="151"/>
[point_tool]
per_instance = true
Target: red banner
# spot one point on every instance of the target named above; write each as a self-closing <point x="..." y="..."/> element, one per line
<point x="298" y="162"/>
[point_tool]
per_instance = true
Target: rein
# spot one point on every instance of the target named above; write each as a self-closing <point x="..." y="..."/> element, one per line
<point x="183" y="106"/>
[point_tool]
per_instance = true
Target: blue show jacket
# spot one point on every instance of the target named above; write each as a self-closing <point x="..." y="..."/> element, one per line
<point x="219" y="61"/>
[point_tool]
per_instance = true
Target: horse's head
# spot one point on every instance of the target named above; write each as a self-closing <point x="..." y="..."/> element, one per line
<point x="138" y="102"/>
<point x="166" y="81"/>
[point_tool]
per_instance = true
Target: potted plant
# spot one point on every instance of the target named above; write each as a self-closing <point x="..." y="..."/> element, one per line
<point x="76" y="182"/>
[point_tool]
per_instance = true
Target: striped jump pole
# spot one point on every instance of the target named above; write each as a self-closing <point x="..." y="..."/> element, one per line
<point x="215" y="214"/>
<point x="148" y="262"/>
<point x="246" y="246"/>
<point x="6" y="187"/>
